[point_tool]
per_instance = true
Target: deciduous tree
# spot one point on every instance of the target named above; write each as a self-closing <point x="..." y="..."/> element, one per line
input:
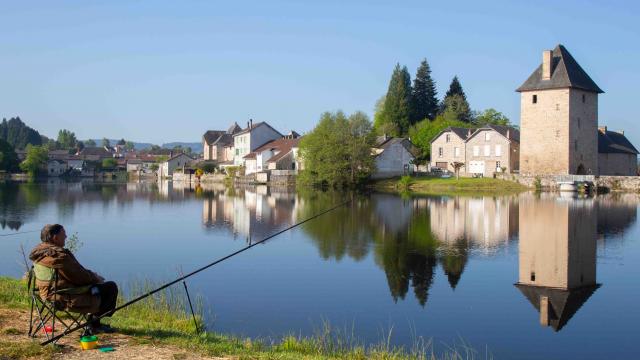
<point x="36" y="159"/>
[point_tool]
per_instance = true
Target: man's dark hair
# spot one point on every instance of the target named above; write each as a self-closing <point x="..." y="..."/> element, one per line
<point x="49" y="231"/>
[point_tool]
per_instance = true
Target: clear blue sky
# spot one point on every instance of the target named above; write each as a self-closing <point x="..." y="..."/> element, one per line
<point x="167" y="71"/>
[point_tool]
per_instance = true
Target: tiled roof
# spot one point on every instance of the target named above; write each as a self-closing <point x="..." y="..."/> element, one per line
<point x="251" y="127"/>
<point x="565" y="73"/>
<point x="283" y="145"/>
<point x="212" y="135"/>
<point x="509" y="132"/>
<point x="406" y="143"/>
<point x="611" y="142"/>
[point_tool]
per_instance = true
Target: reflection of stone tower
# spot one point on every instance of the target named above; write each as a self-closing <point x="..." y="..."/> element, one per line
<point x="559" y="118"/>
<point x="557" y="254"/>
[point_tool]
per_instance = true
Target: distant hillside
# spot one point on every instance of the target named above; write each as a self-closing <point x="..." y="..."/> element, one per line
<point x="195" y="147"/>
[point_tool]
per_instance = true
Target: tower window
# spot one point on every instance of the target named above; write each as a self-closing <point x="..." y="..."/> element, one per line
<point x="584" y="98"/>
<point x="533" y="276"/>
<point x="535" y="99"/>
<point x="557" y="106"/>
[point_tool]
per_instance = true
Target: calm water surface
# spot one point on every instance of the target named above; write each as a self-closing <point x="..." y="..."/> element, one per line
<point x="525" y="276"/>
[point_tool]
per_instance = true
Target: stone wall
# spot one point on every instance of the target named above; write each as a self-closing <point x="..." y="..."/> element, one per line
<point x="619" y="164"/>
<point x="603" y="183"/>
<point x="448" y="149"/>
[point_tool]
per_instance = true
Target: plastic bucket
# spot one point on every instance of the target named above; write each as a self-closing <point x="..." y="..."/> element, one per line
<point x="89" y="342"/>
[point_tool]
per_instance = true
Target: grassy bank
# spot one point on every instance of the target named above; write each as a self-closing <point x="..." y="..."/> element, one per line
<point x="162" y="320"/>
<point x="453" y="186"/>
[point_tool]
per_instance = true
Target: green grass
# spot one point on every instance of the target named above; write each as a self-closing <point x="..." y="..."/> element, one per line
<point x="450" y="186"/>
<point x="162" y="319"/>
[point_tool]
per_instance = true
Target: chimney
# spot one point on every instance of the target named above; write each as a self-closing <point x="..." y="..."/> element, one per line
<point x="621" y="132"/>
<point x="546" y="64"/>
<point x="468" y="132"/>
<point x="508" y="133"/>
<point x="602" y="129"/>
<point x="250" y="123"/>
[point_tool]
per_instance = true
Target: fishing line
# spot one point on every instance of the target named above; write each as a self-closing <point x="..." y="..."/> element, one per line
<point x="133" y="301"/>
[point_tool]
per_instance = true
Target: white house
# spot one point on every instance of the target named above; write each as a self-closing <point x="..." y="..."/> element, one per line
<point x="56" y="167"/>
<point x="249" y="139"/>
<point x="166" y="168"/>
<point x="394" y="156"/>
<point x="270" y="155"/>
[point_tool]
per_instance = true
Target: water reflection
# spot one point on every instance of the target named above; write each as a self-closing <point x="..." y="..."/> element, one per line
<point x="557" y="249"/>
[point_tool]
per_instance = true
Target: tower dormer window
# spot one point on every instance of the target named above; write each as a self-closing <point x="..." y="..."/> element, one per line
<point x="535" y="99"/>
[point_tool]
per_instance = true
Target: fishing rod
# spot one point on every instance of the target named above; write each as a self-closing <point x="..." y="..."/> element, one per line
<point x="21" y="232"/>
<point x="181" y="278"/>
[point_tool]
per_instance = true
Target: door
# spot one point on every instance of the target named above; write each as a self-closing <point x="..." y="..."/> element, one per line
<point x="476" y="167"/>
<point x="442" y="165"/>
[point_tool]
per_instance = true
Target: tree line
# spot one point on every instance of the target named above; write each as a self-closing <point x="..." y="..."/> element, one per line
<point x="413" y="110"/>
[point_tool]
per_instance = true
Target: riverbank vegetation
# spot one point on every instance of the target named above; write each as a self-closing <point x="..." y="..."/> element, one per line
<point x="436" y="185"/>
<point x="337" y="152"/>
<point x="162" y="321"/>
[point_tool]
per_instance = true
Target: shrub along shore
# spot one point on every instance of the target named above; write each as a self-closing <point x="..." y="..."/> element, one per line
<point x="448" y="186"/>
<point x="162" y="320"/>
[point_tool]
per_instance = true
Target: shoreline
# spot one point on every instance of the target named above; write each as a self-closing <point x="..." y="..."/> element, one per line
<point x="160" y="327"/>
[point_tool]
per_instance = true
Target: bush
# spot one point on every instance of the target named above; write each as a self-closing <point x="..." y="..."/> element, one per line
<point x="405" y="182"/>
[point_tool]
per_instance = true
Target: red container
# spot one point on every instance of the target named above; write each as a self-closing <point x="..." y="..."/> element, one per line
<point x="48" y="329"/>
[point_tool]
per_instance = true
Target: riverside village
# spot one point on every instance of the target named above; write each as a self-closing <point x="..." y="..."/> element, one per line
<point x="494" y="220"/>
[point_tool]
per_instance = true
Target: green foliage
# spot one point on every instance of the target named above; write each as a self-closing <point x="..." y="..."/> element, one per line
<point x="397" y="104"/>
<point x="208" y="168"/>
<point x="109" y="163"/>
<point x="36" y="159"/>
<point x="424" y="94"/>
<point x="491" y="117"/>
<point x="455" y="88"/>
<point x="90" y="143"/>
<point x="106" y="142"/>
<point x="129" y="145"/>
<point x="405" y="182"/>
<point x="338" y="150"/>
<point x="8" y="158"/>
<point x="121" y="142"/>
<point x="423" y="132"/>
<point x="456" y="108"/>
<point x="154" y="167"/>
<point x="233" y="171"/>
<point x="19" y="135"/>
<point x="161" y="158"/>
<point x="73" y="243"/>
<point x="66" y="139"/>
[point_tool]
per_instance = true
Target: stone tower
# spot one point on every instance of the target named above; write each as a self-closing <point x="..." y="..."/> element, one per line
<point x="559" y="118"/>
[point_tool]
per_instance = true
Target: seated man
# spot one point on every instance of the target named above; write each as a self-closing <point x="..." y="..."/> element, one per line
<point x="90" y="295"/>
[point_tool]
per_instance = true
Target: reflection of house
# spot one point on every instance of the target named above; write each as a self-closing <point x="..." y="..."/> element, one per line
<point x="166" y="168"/>
<point x="491" y="149"/>
<point x="557" y="256"/>
<point x="252" y="213"/>
<point x="249" y="139"/>
<point x="485" y="223"/>
<point x="394" y="156"/>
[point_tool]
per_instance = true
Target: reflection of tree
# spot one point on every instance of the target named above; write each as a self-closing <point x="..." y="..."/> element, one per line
<point x="453" y="261"/>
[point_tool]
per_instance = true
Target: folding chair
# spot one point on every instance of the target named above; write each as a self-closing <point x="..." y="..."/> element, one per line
<point x="46" y="314"/>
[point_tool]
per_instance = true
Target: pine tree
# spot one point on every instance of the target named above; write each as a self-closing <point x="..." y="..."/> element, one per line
<point x="425" y="103"/>
<point x="455" y="88"/>
<point x="397" y="105"/>
<point x="455" y="102"/>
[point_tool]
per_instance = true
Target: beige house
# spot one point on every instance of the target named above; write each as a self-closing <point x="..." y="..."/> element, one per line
<point x="448" y="147"/>
<point x="559" y="118"/>
<point x="492" y="149"/>
<point x="557" y="255"/>
<point x="616" y="154"/>
<point x="218" y="144"/>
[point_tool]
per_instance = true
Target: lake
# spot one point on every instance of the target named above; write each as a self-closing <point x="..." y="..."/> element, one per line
<point x="522" y="276"/>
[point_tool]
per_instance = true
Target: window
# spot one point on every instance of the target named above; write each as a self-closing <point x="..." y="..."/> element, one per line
<point x="498" y="150"/>
<point x="448" y="138"/>
<point x="487" y="150"/>
<point x="440" y="152"/>
<point x="584" y="98"/>
<point x="535" y="99"/>
<point x="476" y="150"/>
<point x="533" y="276"/>
<point x="456" y="152"/>
<point x="237" y="151"/>
<point x="498" y="167"/>
<point x="487" y="136"/>
<point x="557" y="107"/>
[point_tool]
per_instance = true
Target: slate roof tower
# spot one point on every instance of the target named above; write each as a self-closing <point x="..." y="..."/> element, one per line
<point x="559" y="118"/>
